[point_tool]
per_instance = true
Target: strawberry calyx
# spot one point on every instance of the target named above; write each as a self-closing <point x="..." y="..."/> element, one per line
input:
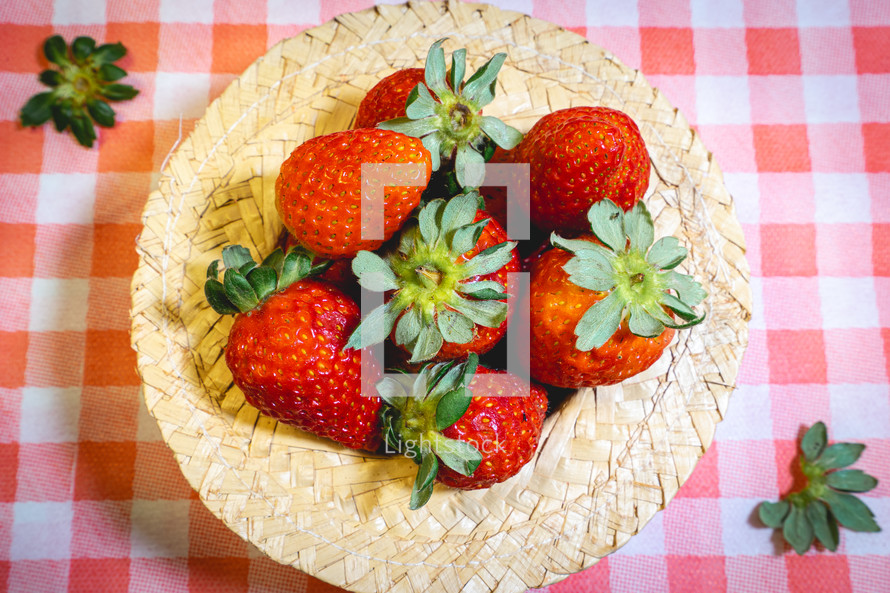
<point x="638" y="276"/>
<point x="246" y="285"/>
<point x="437" y="295"/>
<point x="416" y="412"/>
<point x="449" y="119"/>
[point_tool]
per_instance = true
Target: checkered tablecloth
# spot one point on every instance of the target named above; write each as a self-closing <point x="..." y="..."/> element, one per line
<point x="792" y="97"/>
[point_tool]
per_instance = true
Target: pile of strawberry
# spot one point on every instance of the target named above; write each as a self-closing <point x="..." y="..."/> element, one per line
<point x="604" y="300"/>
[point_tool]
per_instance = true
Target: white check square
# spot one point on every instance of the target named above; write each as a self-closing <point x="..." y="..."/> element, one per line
<point x="79" y="12"/>
<point x="848" y="302"/>
<point x="181" y="94"/>
<point x="192" y="11"/>
<point x="159" y="529"/>
<point x="49" y="414"/>
<point x="722" y="100"/>
<point x="41" y="531"/>
<point x="66" y="198"/>
<point x="859" y="411"/>
<point x="718" y="13"/>
<point x="831" y="190"/>
<point x="831" y="99"/>
<point x="606" y="13"/>
<point x="58" y="304"/>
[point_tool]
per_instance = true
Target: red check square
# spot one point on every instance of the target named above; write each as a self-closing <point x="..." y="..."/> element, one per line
<point x="23" y="51"/>
<point x="108" y="413"/>
<point x="788" y="249"/>
<point x="818" y="573"/>
<point x="854" y="356"/>
<point x="9" y="463"/>
<point x="796" y="356"/>
<point x="667" y="50"/>
<point x="235" y="47"/>
<point x="881" y="249"/>
<point x="104" y="471"/>
<point x="141" y="40"/>
<point x="877" y="139"/>
<point x="781" y="147"/>
<point x="128" y="147"/>
<point x="696" y="574"/>
<point x="704" y="482"/>
<point x="115" y="575"/>
<point x="773" y="51"/>
<point x="22" y="148"/>
<point x="13" y="353"/>
<point x="872" y="46"/>
<point x="218" y="575"/>
<point x="17" y="247"/>
<point x="114" y="250"/>
<point x="109" y="360"/>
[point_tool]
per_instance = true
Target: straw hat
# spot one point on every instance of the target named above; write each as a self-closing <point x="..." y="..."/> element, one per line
<point x="610" y="458"/>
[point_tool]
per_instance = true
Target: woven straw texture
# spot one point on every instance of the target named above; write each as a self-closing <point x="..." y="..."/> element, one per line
<point x="609" y="459"/>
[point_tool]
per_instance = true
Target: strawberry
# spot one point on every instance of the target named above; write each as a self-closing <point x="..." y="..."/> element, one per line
<point x="466" y="426"/>
<point x="579" y="156"/>
<point x="601" y="304"/>
<point x="287" y="346"/>
<point x="386" y="100"/>
<point x="447" y="277"/>
<point x="447" y="114"/>
<point x="319" y="189"/>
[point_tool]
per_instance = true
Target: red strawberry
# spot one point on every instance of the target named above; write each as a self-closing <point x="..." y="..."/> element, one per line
<point x="386" y="100"/>
<point x="446" y="113"/>
<point x="601" y="305"/>
<point x="447" y="280"/>
<point x="579" y="156"/>
<point x="287" y="346"/>
<point x="319" y="189"/>
<point x="465" y="430"/>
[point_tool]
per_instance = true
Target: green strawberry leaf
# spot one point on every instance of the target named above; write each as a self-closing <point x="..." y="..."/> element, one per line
<point x="81" y="48"/>
<point x="239" y="290"/>
<point x="814" y="441"/>
<point x="118" y="92"/>
<point x="607" y="223"/>
<point x="490" y="260"/>
<point x="505" y="136"/>
<point x="56" y="50"/>
<point x="263" y="280"/>
<point x="408" y="327"/>
<point x="483" y="312"/>
<point x="275" y="260"/>
<point x="850" y="512"/>
<point x="423" y="484"/>
<point x="469" y="166"/>
<point x="483" y="290"/>
<point x="689" y="291"/>
<point x="82" y="128"/>
<point x="295" y="267"/>
<point x="850" y="480"/>
<point x="101" y="112"/>
<point x="374" y="328"/>
<point x="434" y="71"/>
<point x="797" y="530"/>
<point x="433" y="143"/>
<point x="235" y="256"/>
<point x="454" y="327"/>
<point x="216" y="296"/>
<point x="110" y="52"/>
<point x="773" y="514"/>
<point x="839" y="455"/>
<point x="452" y="407"/>
<point x="459" y="211"/>
<point x="460" y="456"/>
<point x="643" y="324"/>
<point x="37" y="110"/>
<point x="824" y="525"/>
<point x="480" y="87"/>
<point x="51" y="78"/>
<point x="599" y="323"/>
<point x="62" y="114"/>
<point x="458" y="68"/>
<point x="373" y="272"/>
<point x="428" y="343"/>
<point x="392" y="392"/>
<point x="466" y="237"/>
<point x="111" y="73"/>
<point x="639" y="229"/>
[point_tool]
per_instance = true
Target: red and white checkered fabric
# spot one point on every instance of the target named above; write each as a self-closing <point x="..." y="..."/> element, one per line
<point x="792" y="97"/>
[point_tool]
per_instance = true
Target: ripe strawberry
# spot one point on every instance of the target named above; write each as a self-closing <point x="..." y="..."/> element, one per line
<point x="447" y="114"/>
<point x="286" y="347"/>
<point x="466" y="426"/>
<point x="386" y="100"/>
<point x="579" y="156"/>
<point x="319" y="189"/>
<point x="600" y="305"/>
<point x="448" y="277"/>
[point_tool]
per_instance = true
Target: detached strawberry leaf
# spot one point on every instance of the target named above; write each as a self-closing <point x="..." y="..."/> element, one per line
<point x="815" y="511"/>
<point x="85" y="76"/>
